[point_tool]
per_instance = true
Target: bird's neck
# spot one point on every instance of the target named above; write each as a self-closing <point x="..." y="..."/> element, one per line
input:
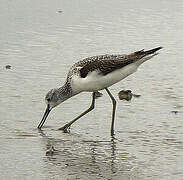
<point x="65" y="91"/>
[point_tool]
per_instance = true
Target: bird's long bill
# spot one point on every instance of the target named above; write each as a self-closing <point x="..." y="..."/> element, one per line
<point x="44" y="117"/>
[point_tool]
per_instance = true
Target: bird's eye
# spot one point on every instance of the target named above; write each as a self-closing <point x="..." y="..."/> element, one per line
<point x="48" y="99"/>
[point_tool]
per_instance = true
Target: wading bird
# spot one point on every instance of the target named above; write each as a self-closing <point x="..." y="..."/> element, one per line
<point x="93" y="74"/>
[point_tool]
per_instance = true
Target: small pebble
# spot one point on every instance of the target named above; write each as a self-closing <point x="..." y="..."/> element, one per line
<point x="8" y="67"/>
<point x="175" y="112"/>
<point x="125" y="95"/>
<point x="50" y="151"/>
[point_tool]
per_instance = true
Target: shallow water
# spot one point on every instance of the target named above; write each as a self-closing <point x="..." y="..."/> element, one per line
<point x="40" y="43"/>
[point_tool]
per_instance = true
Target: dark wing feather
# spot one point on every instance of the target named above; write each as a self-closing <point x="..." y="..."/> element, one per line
<point x="109" y="63"/>
<point x="104" y="66"/>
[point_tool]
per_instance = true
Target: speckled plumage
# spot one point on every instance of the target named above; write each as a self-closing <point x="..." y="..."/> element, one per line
<point x="107" y="63"/>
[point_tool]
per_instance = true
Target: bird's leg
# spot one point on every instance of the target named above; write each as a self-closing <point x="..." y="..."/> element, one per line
<point x="92" y="106"/>
<point x="113" y="111"/>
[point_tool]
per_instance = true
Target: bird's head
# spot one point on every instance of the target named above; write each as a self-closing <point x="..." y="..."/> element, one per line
<point x="53" y="98"/>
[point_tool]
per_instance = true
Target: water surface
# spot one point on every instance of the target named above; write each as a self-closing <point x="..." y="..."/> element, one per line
<point x="41" y="43"/>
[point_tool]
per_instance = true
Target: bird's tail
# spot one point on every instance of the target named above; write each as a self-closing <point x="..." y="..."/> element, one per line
<point x="142" y="53"/>
<point x="152" y="51"/>
<point x="142" y="56"/>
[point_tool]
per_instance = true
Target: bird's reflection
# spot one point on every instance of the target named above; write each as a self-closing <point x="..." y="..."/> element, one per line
<point x="93" y="153"/>
<point x="113" y="155"/>
<point x="79" y="155"/>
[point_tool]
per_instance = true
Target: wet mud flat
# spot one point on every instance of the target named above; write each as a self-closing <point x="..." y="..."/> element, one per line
<point x="38" y="46"/>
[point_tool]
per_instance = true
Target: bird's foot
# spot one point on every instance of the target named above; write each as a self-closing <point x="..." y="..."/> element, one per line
<point x="65" y="128"/>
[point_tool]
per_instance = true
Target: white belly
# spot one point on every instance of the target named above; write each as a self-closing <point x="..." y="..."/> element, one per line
<point x="95" y="81"/>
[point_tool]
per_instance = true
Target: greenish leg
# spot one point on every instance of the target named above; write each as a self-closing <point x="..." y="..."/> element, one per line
<point x="113" y="111"/>
<point x="66" y="126"/>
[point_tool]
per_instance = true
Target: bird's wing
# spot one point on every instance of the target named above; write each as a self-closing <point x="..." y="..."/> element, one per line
<point x="108" y="63"/>
<point x="103" y="67"/>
